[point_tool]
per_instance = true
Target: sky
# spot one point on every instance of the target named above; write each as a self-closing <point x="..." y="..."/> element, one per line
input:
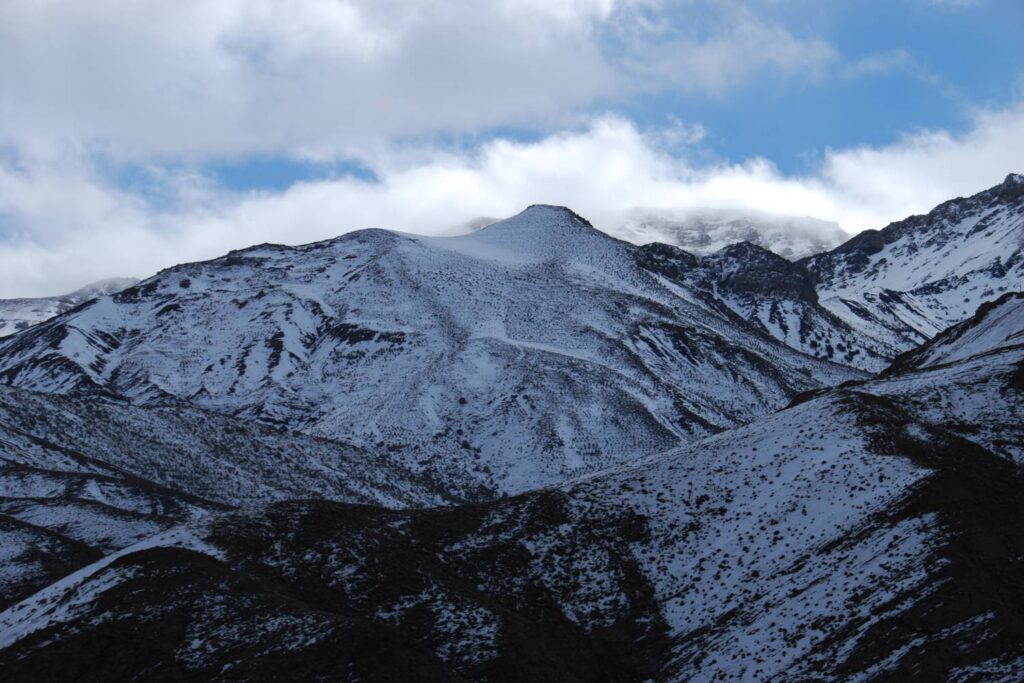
<point x="137" y="134"/>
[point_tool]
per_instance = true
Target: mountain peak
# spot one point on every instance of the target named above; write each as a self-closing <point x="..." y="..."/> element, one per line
<point x="553" y="211"/>
<point x="540" y="230"/>
<point x="1012" y="189"/>
<point x="538" y="233"/>
<point x="746" y="248"/>
<point x="110" y="285"/>
<point x="541" y="219"/>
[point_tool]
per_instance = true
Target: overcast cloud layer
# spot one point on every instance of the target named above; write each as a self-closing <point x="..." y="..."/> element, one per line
<point x="110" y="111"/>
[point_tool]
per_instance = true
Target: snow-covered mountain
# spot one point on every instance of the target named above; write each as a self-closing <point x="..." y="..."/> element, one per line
<point x="705" y="231"/>
<point x="21" y="314"/>
<point x="774" y="294"/>
<point x="903" y="284"/>
<point x="291" y="462"/>
<point x="858" y="535"/>
<point x="882" y="292"/>
<point x="530" y="351"/>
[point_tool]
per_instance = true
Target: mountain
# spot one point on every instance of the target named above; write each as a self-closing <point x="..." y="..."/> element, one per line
<point x="858" y="534"/>
<point x="528" y="352"/>
<point x="882" y="292"/>
<point x="903" y="284"/>
<point x="21" y="314"/>
<point x="775" y="295"/>
<point x="530" y="452"/>
<point x="705" y="231"/>
<point x="81" y="478"/>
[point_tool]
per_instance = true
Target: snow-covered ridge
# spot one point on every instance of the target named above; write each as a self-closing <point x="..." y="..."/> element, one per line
<point x="21" y="314"/>
<point x="878" y="294"/>
<point x="902" y="285"/>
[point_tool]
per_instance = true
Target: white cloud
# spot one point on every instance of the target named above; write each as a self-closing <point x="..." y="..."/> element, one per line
<point x="737" y="47"/>
<point x="164" y="85"/>
<point x="213" y="79"/>
<point x="928" y="167"/>
<point x="603" y="170"/>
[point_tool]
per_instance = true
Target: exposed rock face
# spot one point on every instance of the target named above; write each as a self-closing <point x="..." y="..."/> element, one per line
<point x="773" y="294"/>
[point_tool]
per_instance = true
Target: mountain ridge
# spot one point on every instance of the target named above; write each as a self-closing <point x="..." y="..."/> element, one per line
<point x="903" y="284"/>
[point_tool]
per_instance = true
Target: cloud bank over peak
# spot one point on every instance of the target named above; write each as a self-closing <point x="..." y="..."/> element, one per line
<point x="605" y="170"/>
<point x="117" y="120"/>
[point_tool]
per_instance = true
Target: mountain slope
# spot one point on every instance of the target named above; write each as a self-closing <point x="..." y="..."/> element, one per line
<point x="20" y="314"/>
<point x="905" y="283"/>
<point x="80" y="479"/>
<point x="995" y="326"/>
<point x="775" y="295"/>
<point x="530" y="351"/>
<point x="979" y="364"/>
<point x="844" y="538"/>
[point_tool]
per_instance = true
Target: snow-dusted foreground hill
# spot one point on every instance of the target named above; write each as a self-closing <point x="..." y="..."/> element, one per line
<point x="859" y="533"/>
<point x="528" y="352"/>
<point x="80" y="479"/>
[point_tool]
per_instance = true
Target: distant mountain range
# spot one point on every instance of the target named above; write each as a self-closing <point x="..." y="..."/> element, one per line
<point x="534" y="452"/>
<point x="706" y="231"/>
<point x="20" y="314"/>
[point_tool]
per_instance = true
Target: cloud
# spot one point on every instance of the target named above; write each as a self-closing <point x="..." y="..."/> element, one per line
<point x="928" y="167"/>
<point x="107" y="109"/>
<point x="602" y="170"/>
<point x="733" y="46"/>
<point x="222" y="79"/>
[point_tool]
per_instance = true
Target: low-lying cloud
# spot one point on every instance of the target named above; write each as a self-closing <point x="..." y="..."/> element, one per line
<point x="67" y="224"/>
